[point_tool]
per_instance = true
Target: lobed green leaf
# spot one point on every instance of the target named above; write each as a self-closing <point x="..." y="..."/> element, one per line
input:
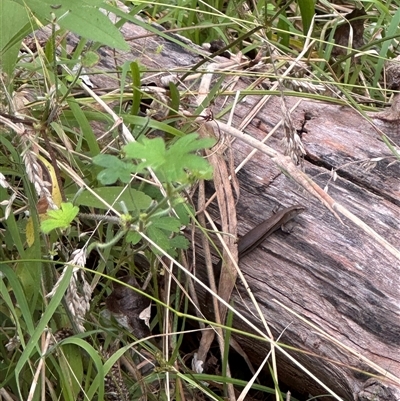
<point x="133" y="200"/>
<point x="60" y="218"/>
<point x="116" y="169"/>
<point x="79" y="16"/>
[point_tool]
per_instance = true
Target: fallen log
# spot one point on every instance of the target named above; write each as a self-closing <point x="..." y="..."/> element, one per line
<point x="327" y="288"/>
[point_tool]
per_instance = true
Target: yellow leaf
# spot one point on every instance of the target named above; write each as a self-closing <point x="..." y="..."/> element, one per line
<point x="49" y="175"/>
<point x="55" y="189"/>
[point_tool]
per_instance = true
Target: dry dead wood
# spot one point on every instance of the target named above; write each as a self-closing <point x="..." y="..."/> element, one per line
<point x="331" y="274"/>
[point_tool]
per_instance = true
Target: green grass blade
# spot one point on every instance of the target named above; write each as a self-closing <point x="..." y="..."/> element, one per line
<point x="307" y="11"/>
<point x="97" y="386"/>
<point x="20" y="300"/>
<point x="40" y="328"/>
<point x="144" y="121"/>
<point x="175" y="99"/>
<point x="85" y="127"/>
<point x="392" y="30"/>
<point x="284" y="29"/>
<point x="136" y="94"/>
<point x="13" y="29"/>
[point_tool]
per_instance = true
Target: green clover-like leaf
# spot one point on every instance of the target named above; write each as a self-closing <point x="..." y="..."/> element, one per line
<point x="115" y="169"/>
<point x="178" y="163"/>
<point x="60" y="218"/>
<point x="167" y="223"/>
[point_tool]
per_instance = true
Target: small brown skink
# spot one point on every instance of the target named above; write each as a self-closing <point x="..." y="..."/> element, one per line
<point x="259" y="233"/>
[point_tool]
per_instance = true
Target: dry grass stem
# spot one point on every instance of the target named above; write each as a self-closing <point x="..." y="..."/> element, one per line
<point x="35" y="173"/>
<point x="41" y="364"/>
<point x="293" y="145"/>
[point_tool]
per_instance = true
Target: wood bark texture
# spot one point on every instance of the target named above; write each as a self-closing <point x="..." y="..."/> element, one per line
<point x="330" y="273"/>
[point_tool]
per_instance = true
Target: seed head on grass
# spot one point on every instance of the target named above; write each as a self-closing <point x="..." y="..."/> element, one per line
<point x="79" y="291"/>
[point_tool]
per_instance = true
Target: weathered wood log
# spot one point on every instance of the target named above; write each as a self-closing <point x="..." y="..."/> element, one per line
<point x="331" y="274"/>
